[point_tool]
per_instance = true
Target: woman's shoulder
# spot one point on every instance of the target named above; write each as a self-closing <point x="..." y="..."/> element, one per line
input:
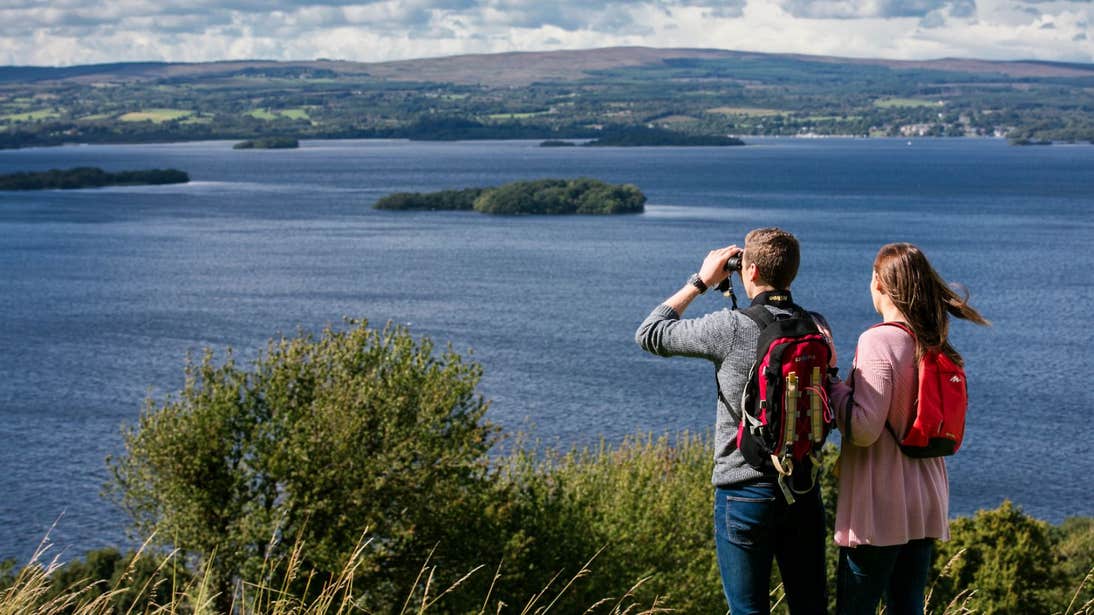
<point x="886" y="339"/>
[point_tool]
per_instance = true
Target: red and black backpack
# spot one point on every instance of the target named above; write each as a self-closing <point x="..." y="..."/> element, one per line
<point x="785" y="414"/>
<point x="937" y="427"/>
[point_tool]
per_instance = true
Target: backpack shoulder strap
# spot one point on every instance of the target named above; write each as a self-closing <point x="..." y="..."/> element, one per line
<point x="762" y="317"/>
<point x="908" y="330"/>
<point x="759" y="315"/>
<point x="898" y="325"/>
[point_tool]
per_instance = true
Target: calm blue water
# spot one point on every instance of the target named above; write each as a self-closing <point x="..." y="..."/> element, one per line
<point x="104" y="292"/>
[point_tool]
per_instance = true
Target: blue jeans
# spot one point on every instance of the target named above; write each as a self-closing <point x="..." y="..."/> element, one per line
<point x="899" y="573"/>
<point x="753" y="524"/>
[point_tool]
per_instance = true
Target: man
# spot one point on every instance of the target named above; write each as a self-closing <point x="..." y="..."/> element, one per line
<point x="753" y="523"/>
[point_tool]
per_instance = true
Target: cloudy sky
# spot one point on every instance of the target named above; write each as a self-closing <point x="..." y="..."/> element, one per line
<point x="66" y="32"/>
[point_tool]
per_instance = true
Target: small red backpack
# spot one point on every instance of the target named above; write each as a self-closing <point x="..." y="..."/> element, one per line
<point x="938" y="426"/>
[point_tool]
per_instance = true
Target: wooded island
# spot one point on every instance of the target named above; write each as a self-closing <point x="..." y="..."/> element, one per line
<point x="268" y="143"/>
<point x="544" y="197"/>
<point x="89" y="177"/>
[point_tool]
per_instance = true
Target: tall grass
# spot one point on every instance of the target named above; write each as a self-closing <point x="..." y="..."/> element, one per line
<point x="617" y="529"/>
<point x="28" y="593"/>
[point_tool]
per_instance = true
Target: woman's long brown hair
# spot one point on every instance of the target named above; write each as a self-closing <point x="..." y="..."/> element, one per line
<point x="922" y="296"/>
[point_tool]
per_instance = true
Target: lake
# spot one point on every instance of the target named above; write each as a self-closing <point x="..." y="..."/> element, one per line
<point x="103" y="293"/>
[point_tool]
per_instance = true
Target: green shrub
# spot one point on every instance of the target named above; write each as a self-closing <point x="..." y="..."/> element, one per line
<point x="320" y="440"/>
<point x="646" y="503"/>
<point x="1074" y="540"/>
<point x="1006" y="556"/>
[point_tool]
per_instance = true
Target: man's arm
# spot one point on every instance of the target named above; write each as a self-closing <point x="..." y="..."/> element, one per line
<point x="712" y="272"/>
<point x="663" y="333"/>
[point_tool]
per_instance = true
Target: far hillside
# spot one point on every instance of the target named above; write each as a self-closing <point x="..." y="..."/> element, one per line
<point x="552" y="96"/>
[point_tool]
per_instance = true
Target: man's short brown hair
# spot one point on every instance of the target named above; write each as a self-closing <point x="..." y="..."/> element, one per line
<point x="776" y="255"/>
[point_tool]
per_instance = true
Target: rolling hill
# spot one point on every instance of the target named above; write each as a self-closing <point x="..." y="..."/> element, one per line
<point x="577" y="94"/>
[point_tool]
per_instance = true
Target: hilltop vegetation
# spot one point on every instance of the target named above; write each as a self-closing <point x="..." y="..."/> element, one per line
<point x="270" y="481"/>
<point x="89" y="177"/>
<point x="551" y="95"/>
<point x="542" y="197"/>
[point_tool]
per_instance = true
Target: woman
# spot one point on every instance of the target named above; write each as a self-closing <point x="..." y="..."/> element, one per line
<point x="891" y="507"/>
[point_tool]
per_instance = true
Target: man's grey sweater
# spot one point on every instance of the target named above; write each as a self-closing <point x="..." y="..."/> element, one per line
<point x="728" y="339"/>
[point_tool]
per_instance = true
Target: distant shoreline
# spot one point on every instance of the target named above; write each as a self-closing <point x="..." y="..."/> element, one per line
<point x="230" y="142"/>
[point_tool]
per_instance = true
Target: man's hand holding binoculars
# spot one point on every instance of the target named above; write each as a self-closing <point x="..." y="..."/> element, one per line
<point x="720" y="264"/>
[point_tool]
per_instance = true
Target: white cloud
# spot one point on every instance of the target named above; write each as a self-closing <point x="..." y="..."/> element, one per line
<point x="62" y="32"/>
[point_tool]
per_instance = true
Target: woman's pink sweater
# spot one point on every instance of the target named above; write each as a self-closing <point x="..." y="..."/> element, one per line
<point x="885" y="497"/>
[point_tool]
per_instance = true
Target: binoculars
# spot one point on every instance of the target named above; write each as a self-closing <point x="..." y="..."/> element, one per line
<point x="726" y="285"/>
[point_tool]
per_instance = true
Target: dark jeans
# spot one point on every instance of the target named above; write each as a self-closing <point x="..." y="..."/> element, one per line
<point x="899" y="573"/>
<point x="753" y="524"/>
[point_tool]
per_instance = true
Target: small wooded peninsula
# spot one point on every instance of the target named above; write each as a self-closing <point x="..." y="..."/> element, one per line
<point x="89" y="177"/>
<point x="657" y="137"/>
<point x="268" y="143"/>
<point x="536" y="197"/>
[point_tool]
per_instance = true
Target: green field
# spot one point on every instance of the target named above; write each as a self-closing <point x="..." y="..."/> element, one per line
<point x="298" y="113"/>
<point x="262" y="114"/>
<point x="516" y="116"/>
<point x="676" y="119"/>
<point x="155" y="115"/>
<point x="749" y="111"/>
<point x="888" y="103"/>
<point x="832" y="118"/>
<point x="31" y="116"/>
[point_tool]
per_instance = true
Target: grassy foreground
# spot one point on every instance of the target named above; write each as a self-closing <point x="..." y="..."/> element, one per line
<point x="644" y="502"/>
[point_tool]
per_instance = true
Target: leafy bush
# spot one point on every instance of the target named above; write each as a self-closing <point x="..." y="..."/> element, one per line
<point x="1006" y="556"/>
<point x="322" y="439"/>
<point x="1074" y="540"/>
<point x="644" y="505"/>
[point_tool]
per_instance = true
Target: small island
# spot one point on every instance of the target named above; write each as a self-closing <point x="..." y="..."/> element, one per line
<point x="90" y="177"/>
<point x="268" y="143"/>
<point x="557" y="143"/>
<point x="431" y="201"/>
<point x="646" y="137"/>
<point x="540" y="197"/>
<point x="1026" y="142"/>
